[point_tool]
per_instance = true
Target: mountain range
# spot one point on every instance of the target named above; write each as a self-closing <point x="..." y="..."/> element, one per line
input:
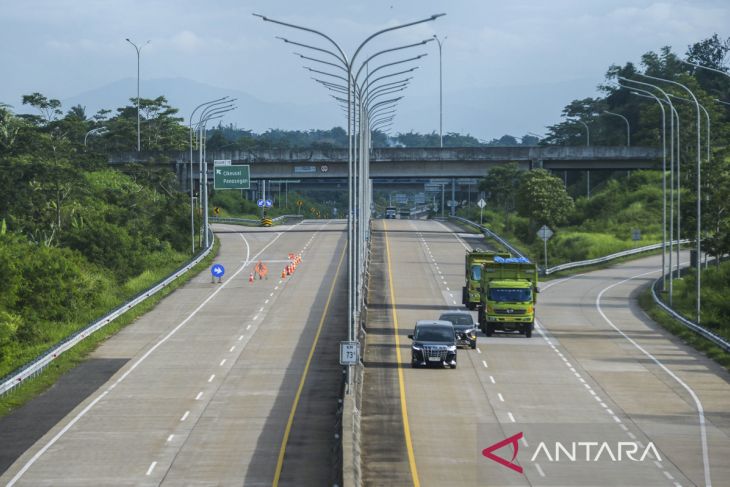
<point x="482" y="112"/>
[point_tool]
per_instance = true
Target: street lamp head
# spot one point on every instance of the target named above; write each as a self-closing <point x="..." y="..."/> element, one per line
<point x="436" y="16"/>
<point x="127" y="39"/>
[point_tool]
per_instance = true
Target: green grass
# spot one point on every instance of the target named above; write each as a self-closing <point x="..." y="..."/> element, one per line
<point x="689" y="337"/>
<point x="67" y="361"/>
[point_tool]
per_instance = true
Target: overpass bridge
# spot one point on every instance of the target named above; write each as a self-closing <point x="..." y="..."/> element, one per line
<point x="409" y="163"/>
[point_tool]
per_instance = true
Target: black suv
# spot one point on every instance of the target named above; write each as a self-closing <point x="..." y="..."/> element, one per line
<point x="434" y="343"/>
<point x="464" y="327"/>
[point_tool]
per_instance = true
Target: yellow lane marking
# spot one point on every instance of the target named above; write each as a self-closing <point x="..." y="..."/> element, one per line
<point x="287" y="430"/>
<point x="401" y="382"/>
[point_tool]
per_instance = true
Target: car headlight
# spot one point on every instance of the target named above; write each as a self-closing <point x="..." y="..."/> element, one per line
<point x="416" y="348"/>
<point x="451" y="348"/>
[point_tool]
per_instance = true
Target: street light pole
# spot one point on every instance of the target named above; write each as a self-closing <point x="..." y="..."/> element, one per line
<point x="441" y="96"/>
<point x="698" y="189"/>
<point x="352" y="105"/>
<point x="138" y="49"/>
<point x="192" y="200"/>
<point x="628" y="126"/>
<point x="664" y="178"/>
<point x="673" y="115"/>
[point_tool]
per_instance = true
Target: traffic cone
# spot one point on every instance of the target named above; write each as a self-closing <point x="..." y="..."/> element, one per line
<point x="283" y="274"/>
<point x="250" y="277"/>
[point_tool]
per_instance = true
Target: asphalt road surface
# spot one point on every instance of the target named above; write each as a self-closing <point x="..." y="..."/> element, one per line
<point x="600" y="395"/>
<point x="232" y="383"/>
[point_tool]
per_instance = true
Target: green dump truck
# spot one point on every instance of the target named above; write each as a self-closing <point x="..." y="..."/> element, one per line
<point x="508" y="293"/>
<point x="470" y="296"/>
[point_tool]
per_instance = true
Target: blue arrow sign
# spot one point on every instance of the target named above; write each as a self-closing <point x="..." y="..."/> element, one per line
<point x="217" y="270"/>
<point x="268" y="203"/>
<point x="260" y="203"/>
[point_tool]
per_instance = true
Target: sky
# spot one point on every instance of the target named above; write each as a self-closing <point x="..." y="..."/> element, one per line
<point x="508" y="67"/>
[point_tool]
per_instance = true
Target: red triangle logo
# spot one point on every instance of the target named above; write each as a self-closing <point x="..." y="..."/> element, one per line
<point x="487" y="452"/>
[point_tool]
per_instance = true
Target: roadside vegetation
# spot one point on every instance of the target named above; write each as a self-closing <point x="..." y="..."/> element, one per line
<point x="78" y="239"/>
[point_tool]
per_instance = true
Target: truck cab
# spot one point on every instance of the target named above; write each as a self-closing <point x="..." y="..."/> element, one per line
<point x="470" y="295"/>
<point x="508" y="296"/>
<point x="390" y="213"/>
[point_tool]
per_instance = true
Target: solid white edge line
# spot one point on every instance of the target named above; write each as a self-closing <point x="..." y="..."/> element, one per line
<point x="93" y="403"/>
<point x="698" y="404"/>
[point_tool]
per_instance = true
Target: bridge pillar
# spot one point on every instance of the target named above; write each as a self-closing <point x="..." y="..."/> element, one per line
<point x="453" y="196"/>
<point x="536" y="164"/>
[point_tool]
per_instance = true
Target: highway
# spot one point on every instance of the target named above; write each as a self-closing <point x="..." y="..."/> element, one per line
<point x="231" y="383"/>
<point x="597" y="371"/>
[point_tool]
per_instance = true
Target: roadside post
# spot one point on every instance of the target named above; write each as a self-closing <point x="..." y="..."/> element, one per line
<point x="217" y="271"/>
<point x="545" y="233"/>
<point x="481" y="204"/>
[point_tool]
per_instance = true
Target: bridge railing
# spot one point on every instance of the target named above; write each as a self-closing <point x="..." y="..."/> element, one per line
<point x="34" y="367"/>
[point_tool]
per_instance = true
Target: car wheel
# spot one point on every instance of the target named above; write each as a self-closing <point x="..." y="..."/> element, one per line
<point x="453" y="366"/>
<point x="474" y="345"/>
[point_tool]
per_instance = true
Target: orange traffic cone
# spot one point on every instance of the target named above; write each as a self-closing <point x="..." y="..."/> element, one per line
<point x="283" y="274"/>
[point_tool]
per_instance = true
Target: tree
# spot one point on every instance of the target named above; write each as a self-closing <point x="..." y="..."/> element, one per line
<point x="501" y="184"/>
<point x="50" y="109"/>
<point x="542" y="198"/>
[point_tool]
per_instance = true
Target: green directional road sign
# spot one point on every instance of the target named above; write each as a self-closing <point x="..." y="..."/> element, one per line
<point x="231" y="177"/>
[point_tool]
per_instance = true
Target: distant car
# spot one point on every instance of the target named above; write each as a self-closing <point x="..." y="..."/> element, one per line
<point x="464" y="327"/>
<point x="434" y="343"/>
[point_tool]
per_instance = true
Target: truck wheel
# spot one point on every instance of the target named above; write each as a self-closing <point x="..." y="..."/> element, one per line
<point x="464" y="296"/>
<point x="490" y="330"/>
<point x="528" y="330"/>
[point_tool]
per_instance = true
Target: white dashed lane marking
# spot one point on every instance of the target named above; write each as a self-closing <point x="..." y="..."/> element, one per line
<point x="185" y="416"/>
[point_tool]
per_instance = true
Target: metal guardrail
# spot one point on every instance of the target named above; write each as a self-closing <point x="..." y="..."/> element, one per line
<point x="248" y="221"/>
<point x="606" y="258"/>
<point x="31" y="369"/>
<point x="716" y="339"/>
<point x="492" y="235"/>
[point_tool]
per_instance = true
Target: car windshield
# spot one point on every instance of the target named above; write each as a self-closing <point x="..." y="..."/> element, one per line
<point x="458" y="319"/>
<point x="476" y="272"/>
<point x="512" y="295"/>
<point x="434" y="334"/>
